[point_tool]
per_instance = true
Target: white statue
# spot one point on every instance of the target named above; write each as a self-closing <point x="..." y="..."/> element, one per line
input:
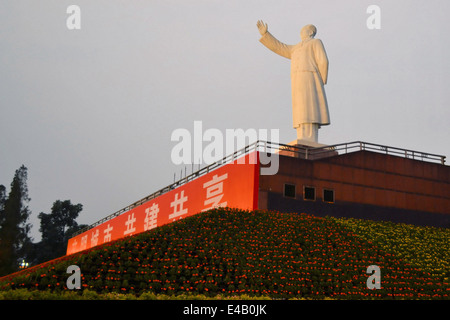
<point x="309" y="72"/>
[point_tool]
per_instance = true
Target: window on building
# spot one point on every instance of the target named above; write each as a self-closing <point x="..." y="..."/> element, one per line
<point x="328" y="195"/>
<point x="289" y="190"/>
<point x="309" y="193"/>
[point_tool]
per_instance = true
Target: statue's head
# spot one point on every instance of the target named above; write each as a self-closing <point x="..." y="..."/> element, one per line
<point x="308" y="31"/>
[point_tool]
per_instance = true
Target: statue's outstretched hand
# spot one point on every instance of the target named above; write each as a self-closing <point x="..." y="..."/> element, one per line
<point x="262" y="27"/>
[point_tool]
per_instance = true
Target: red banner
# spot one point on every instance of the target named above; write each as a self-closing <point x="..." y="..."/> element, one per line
<point x="232" y="185"/>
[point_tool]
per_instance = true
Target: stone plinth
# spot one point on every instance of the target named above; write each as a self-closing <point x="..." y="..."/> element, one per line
<point x="305" y="149"/>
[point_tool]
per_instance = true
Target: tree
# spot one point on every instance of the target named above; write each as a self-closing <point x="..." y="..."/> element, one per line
<point x="14" y="226"/>
<point x="2" y="202"/>
<point x="56" y="228"/>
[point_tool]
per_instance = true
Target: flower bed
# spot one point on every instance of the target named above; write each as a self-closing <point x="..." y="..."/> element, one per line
<point x="231" y="252"/>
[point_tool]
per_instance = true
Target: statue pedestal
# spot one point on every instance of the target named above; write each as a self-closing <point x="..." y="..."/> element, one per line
<point x="306" y="143"/>
<point x="306" y="149"/>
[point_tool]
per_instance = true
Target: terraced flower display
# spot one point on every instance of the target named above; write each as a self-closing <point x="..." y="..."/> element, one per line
<point x="231" y="252"/>
<point x="426" y="248"/>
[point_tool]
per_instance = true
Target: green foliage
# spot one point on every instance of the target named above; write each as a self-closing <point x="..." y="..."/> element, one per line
<point x="56" y="227"/>
<point x="25" y="294"/>
<point x="228" y="253"/>
<point x="14" y="227"/>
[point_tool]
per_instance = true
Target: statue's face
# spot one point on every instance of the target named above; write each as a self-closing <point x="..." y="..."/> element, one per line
<point x="306" y="32"/>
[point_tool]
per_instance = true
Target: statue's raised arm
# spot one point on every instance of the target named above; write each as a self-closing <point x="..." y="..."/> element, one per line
<point x="271" y="42"/>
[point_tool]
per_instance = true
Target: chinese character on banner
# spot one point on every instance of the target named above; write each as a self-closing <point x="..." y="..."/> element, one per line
<point x="107" y="233"/>
<point x="74" y="244"/>
<point x="129" y="224"/>
<point x="177" y="206"/>
<point x="83" y="242"/>
<point x="151" y="215"/>
<point x="94" y="238"/>
<point x="214" y="192"/>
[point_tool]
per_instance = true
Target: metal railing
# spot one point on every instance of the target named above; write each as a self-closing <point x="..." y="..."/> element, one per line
<point x="344" y="148"/>
<point x="273" y="147"/>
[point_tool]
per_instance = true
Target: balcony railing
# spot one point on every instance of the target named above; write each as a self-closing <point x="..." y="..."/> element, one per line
<point x="344" y="148"/>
